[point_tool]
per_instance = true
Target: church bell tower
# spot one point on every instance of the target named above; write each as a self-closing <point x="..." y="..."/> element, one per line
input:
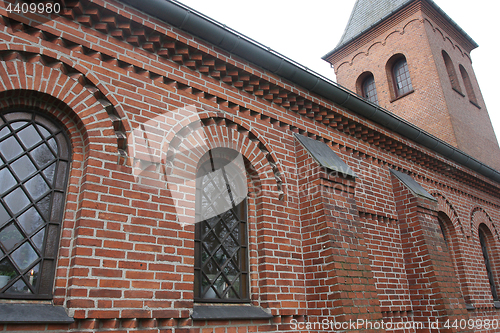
<point x="411" y="58"/>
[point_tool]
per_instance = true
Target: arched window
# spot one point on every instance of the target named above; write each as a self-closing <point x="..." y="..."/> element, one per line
<point x="401" y="77"/>
<point x="449" y="236"/>
<point x="369" y="89"/>
<point x="451" y="71"/>
<point x="443" y="230"/>
<point x="468" y="85"/>
<point x="34" y="167"/>
<point x="221" y="263"/>
<point x="486" y="255"/>
<point x="453" y="248"/>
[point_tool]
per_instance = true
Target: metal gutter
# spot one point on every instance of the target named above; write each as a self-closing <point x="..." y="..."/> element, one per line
<point x="199" y="25"/>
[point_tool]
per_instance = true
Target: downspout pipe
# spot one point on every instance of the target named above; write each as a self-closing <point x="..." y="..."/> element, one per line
<point x="199" y="25"/>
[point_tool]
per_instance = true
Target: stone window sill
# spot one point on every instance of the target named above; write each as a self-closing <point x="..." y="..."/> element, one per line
<point x="475" y="104"/>
<point x="33" y="313"/>
<point x="229" y="312"/>
<point x="458" y="91"/>
<point x="401" y="96"/>
<point x="469" y="306"/>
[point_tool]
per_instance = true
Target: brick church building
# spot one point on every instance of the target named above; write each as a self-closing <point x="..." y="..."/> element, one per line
<point x="160" y="172"/>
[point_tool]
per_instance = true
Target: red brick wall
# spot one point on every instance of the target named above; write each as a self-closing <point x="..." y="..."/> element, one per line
<point x="384" y="245"/>
<point x="127" y="243"/>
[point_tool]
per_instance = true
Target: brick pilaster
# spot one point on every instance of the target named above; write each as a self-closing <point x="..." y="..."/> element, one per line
<point x="339" y="281"/>
<point x="434" y="288"/>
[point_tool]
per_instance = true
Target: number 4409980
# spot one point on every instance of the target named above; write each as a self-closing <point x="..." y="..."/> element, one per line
<point x="40" y="8"/>
<point x="472" y="324"/>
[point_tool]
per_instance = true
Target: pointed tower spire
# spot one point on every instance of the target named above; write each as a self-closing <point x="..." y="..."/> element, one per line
<point x="366" y="14"/>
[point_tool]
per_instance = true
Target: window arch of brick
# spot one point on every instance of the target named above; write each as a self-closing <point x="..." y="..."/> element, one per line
<point x="489" y="252"/>
<point x="468" y="85"/>
<point x="450" y="69"/>
<point x="366" y="87"/>
<point x="221" y="231"/>
<point x="398" y="75"/>
<point x="452" y="246"/>
<point x="35" y="157"/>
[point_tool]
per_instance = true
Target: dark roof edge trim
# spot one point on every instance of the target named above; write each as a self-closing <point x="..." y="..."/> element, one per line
<point x="431" y="2"/>
<point x="229" y="40"/>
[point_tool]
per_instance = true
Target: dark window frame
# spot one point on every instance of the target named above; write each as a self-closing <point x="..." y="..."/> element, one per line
<point x="47" y="128"/>
<point x="443" y="232"/>
<point x="369" y="88"/>
<point x="205" y="232"/>
<point x="483" y="241"/>
<point x="401" y="77"/>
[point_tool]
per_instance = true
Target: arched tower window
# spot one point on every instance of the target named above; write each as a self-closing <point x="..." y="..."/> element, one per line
<point x="451" y="71"/>
<point x="468" y="85"/>
<point x="401" y="77"/>
<point x="483" y="239"/>
<point x="221" y="251"/>
<point x="34" y="166"/>
<point x="369" y="90"/>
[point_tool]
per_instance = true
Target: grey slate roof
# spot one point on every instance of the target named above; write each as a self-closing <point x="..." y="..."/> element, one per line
<point x="412" y="185"/>
<point x="368" y="13"/>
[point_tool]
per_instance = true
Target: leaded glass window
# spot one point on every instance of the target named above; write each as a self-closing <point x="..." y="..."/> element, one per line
<point x="370" y="90"/>
<point x="402" y="78"/>
<point x="221" y="263"/>
<point x="34" y="165"/>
